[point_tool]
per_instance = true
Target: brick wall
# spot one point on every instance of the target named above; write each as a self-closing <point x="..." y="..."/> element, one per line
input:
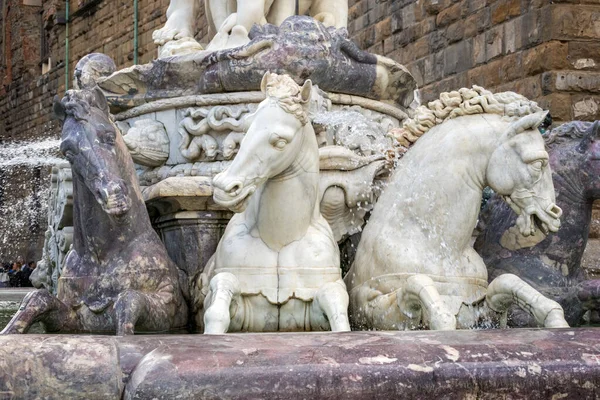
<point x="546" y="50"/>
<point x="26" y="95"/>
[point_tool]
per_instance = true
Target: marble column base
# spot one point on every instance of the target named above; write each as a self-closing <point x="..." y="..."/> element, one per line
<point x="191" y="237"/>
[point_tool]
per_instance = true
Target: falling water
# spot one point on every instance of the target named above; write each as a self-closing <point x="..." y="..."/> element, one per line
<point x="24" y="188"/>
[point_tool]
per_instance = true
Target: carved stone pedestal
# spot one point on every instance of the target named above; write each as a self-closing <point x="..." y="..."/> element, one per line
<point x="191" y="237"/>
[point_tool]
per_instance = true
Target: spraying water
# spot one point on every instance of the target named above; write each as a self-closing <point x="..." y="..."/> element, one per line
<point x="24" y="188"/>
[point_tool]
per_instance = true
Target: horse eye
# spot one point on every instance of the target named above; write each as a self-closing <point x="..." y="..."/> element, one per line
<point x="537" y="165"/>
<point x="280" y="144"/>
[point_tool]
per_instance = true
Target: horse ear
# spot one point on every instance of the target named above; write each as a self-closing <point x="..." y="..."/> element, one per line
<point x="525" y="123"/>
<point x="99" y="99"/>
<point x="58" y="109"/>
<point x="305" y="91"/>
<point x="263" y="82"/>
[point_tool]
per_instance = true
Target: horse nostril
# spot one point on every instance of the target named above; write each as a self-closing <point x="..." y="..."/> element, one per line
<point x="235" y="189"/>
<point x="554" y="211"/>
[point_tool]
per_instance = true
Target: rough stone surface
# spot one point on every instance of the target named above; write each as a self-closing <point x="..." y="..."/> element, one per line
<point x="552" y="264"/>
<point x="515" y="364"/>
<point x="302" y="48"/>
<point x="73" y="367"/>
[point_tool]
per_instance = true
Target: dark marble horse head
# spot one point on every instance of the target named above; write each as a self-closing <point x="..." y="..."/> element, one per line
<point x="552" y="264"/>
<point x="90" y="143"/>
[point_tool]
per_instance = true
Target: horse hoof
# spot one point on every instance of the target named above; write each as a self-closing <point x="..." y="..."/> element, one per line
<point x="556" y="319"/>
<point x="442" y="321"/>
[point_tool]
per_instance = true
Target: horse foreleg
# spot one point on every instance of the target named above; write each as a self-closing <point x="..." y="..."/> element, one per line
<point x="131" y="308"/>
<point x="332" y="299"/>
<point x="41" y="306"/>
<point x="508" y="289"/>
<point x="421" y="288"/>
<point x="224" y="287"/>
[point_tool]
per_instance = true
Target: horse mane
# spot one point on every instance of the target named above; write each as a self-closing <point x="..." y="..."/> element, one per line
<point x="476" y="100"/>
<point x="286" y="92"/>
<point x="574" y="130"/>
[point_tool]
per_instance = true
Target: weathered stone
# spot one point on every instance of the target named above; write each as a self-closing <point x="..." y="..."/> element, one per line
<point x="487" y="74"/>
<point x="327" y="57"/>
<point x="74" y="367"/>
<point x="520" y="364"/>
<point x="545" y="57"/>
<point x="576" y="81"/>
<point x="586" y="107"/>
<point x="584" y="55"/>
<point x="579" y="22"/>
<point x="191" y="237"/>
<point x="458" y="57"/>
<point x="502" y="10"/>
<point x="455" y="32"/>
<point x="560" y="104"/>
<point x="479" y="46"/>
<point x="449" y="15"/>
<point x="493" y="39"/>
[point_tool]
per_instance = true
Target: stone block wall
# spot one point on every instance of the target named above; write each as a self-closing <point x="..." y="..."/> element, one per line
<point x="104" y="26"/>
<point x="546" y="50"/>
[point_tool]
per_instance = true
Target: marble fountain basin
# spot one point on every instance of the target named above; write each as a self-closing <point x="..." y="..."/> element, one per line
<point x="515" y="364"/>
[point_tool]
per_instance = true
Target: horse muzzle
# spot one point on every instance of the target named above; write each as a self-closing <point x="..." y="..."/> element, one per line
<point x="114" y="198"/>
<point x="232" y="194"/>
<point x="534" y="212"/>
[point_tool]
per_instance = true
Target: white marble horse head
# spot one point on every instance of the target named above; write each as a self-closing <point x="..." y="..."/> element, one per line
<point x="518" y="170"/>
<point x="271" y="144"/>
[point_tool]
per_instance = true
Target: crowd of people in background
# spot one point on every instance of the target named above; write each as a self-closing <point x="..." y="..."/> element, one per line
<point x="16" y="274"/>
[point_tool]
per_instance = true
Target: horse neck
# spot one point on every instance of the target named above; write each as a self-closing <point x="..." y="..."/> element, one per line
<point x="95" y="232"/>
<point x="288" y="202"/>
<point x="458" y="154"/>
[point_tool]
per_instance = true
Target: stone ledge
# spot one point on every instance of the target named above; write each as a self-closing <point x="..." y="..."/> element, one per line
<point x="517" y="363"/>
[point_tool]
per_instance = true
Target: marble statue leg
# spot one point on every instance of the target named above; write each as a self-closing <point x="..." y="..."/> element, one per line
<point x="280" y="10"/>
<point x="330" y="12"/>
<point x="421" y="288"/>
<point x="332" y="300"/>
<point x="508" y="289"/>
<point x="224" y="287"/>
<point x="180" y="22"/>
<point x="41" y="306"/>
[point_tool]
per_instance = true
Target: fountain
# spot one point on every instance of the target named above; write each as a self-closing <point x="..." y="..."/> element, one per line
<point x="257" y="160"/>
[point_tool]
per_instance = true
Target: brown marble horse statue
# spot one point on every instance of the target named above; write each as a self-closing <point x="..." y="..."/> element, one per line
<point x="118" y="276"/>
<point x="552" y="264"/>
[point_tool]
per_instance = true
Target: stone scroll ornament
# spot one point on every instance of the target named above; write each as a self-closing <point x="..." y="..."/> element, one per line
<point x="199" y="125"/>
<point x="117" y="278"/>
<point x="231" y="20"/>
<point x="277" y="266"/>
<point x="414" y="266"/>
<point x="551" y="263"/>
